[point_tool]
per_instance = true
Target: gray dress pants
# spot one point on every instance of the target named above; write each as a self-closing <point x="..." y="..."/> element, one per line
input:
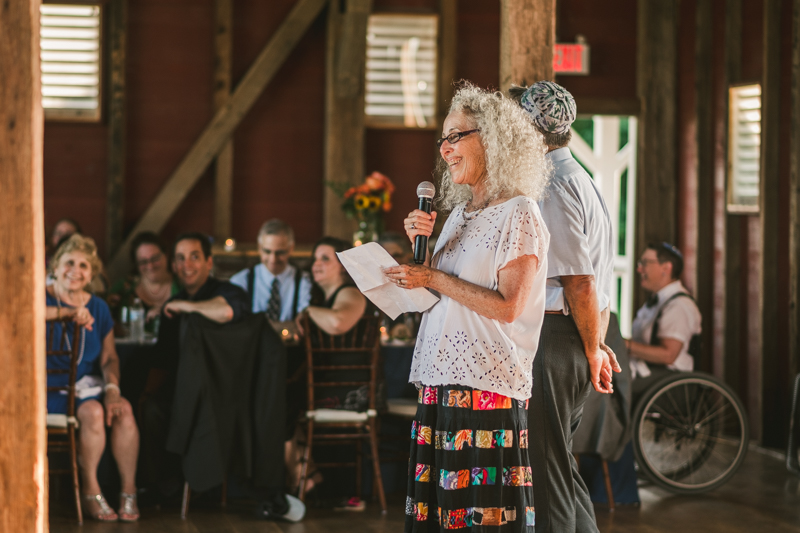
<point x="561" y="385"/>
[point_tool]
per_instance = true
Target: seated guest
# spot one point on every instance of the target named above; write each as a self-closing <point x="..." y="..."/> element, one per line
<point x="275" y="286"/>
<point x="62" y="229"/>
<point x="336" y="303"/>
<point x="153" y="285"/>
<point x="73" y="266"/>
<point x="200" y="293"/>
<point x="666" y="325"/>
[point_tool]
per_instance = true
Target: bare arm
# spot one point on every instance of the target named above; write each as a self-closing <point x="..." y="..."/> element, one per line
<point x="664" y="354"/>
<point x="109" y="365"/>
<point x="581" y="295"/>
<point x="80" y="315"/>
<point x="347" y="309"/>
<point x="216" y="309"/>
<point x="505" y="304"/>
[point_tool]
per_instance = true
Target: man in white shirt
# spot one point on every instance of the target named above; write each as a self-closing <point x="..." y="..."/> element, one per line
<point x="275" y="287"/>
<point x="666" y="325"/>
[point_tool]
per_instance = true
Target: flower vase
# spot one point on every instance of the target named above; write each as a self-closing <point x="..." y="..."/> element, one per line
<point x="367" y="232"/>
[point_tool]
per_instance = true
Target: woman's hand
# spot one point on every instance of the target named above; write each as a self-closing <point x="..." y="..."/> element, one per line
<point x="298" y="321"/>
<point x="410" y="276"/>
<point x="113" y="403"/>
<point x="83" y="317"/>
<point x="419" y="222"/>
<point x="152" y="313"/>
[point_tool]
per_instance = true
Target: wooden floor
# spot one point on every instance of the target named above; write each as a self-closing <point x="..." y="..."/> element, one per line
<point x="762" y="497"/>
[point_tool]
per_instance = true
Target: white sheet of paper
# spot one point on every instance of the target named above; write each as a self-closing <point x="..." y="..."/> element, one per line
<point x="365" y="265"/>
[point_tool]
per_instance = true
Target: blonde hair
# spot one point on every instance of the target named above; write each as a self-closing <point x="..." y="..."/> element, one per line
<point x="84" y="245"/>
<point x="515" y="150"/>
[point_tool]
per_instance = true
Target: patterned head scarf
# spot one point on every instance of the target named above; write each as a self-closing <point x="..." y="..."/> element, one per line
<point x="550" y="106"/>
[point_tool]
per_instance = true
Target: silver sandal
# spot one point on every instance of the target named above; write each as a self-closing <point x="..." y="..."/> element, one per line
<point x="103" y="512"/>
<point x="128" y="510"/>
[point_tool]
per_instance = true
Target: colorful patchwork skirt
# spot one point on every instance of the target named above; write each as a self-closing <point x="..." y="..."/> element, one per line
<point x="469" y="462"/>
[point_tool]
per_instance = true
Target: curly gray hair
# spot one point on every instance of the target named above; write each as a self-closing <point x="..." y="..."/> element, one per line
<point x="515" y="150"/>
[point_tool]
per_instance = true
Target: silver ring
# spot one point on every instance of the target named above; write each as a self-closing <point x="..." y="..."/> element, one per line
<point x="413" y="226"/>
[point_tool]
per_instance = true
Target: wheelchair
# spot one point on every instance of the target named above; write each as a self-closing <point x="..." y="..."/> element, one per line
<point x="690" y="433"/>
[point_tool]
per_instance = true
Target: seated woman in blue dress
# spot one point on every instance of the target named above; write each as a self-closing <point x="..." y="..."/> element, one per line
<point x="98" y="402"/>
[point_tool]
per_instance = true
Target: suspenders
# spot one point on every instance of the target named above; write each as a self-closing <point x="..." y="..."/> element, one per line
<point x="694" y="343"/>
<point x="251" y="289"/>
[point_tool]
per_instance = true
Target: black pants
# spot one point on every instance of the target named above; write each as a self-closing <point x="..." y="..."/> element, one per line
<point x="639" y="385"/>
<point x="162" y="469"/>
<point x="561" y="385"/>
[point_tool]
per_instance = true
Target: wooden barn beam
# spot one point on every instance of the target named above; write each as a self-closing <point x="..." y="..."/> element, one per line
<point x="219" y="130"/>
<point x="448" y="52"/>
<point x="223" y="175"/>
<point x="23" y="463"/>
<point x="704" y="139"/>
<point x="734" y="352"/>
<point x="527" y="39"/>
<point x="794" y="200"/>
<point x="656" y="189"/>
<point x="115" y="192"/>
<point x="344" y="106"/>
<point x="769" y="206"/>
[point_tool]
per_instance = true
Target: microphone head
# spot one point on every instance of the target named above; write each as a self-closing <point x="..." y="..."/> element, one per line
<point x="426" y="190"/>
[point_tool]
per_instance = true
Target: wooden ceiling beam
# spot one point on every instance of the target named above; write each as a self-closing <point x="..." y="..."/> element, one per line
<point x="219" y="130"/>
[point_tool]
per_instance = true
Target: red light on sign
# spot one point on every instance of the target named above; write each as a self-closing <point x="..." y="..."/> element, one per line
<point x="571" y="58"/>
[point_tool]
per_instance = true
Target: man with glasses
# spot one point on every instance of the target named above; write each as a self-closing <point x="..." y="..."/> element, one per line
<point x="276" y="287"/>
<point x="572" y="357"/>
<point x="667" y="327"/>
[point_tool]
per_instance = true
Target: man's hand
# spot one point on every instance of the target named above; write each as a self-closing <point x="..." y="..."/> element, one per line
<point x="612" y="357"/>
<point x="600" y="370"/>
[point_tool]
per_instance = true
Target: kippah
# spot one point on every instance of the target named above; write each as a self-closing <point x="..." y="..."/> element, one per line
<point x="550" y="106"/>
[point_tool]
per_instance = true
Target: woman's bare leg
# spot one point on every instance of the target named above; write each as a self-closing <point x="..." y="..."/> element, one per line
<point x="91" y="443"/>
<point x="125" y="446"/>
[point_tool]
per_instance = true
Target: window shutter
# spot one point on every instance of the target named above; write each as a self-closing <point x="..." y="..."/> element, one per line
<point x="401" y="70"/>
<point x="744" y="152"/>
<point x="70" y="53"/>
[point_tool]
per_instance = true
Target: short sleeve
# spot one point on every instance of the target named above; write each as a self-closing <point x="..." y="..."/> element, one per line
<point x="103" y="322"/>
<point x="680" y="320"/>
<point x="240" y="279"/>
<point x="564" y="215"/>
<point x="236" y="298"/>
<point x="523" y="234"/>
<point x="304" y="298"/>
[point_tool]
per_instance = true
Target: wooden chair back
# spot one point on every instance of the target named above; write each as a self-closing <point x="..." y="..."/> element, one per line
<point x="60" y="345"/>
<point x="333" y="360"/>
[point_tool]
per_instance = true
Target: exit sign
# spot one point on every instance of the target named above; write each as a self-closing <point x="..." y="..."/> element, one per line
<point x="571" y="58"/>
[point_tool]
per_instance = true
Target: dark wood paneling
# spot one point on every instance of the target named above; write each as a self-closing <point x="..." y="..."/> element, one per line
<point x="704" y="111"/>
<point x="23" y="497"/>
<point x="479" y="42"/>
<point x="769" y="205"/>
<point x="115" y="203"/>
<point x="611" y="35"/>
<point x="794" y="198"/>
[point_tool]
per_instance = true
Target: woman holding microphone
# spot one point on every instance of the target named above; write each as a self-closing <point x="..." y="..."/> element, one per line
<point x="474" y="352"/>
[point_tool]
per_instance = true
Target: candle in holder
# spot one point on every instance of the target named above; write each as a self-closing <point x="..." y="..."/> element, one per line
<point x="230" y="245"/>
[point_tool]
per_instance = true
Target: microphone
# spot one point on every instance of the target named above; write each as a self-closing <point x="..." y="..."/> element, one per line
<point x="425" y="191"/>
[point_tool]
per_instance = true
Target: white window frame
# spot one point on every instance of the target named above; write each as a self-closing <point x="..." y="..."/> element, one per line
<point x="744" y="146"/>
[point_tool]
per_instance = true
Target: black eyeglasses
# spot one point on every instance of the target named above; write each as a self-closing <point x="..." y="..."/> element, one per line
<point x="453" y="138"/>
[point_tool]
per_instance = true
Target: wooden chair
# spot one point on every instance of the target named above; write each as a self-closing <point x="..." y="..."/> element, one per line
<point x="61" y="428"/>
<point x="332" y="361"/>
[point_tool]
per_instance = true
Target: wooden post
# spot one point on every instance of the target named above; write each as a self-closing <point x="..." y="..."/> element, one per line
<point x="527" y="39"/>
<point x="794" y="200"/>
<point x="344" y="106"/>
<point x="656" y="189"/>
<point x="448" y="52"/>
<point x="220" y="128"/>
<point x="223" y="177"/>
<point x="733" y="223"/>
<point x="704" y="138"/>
<point x="769" y="205"/>
<point x="115" y="202"/>
<point x="23" y="463"/>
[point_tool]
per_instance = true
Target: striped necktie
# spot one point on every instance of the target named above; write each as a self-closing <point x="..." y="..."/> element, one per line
<point x="274" y="306"/>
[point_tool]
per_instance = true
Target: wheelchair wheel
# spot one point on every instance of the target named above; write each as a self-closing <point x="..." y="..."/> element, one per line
<point x="690" y="433"/>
